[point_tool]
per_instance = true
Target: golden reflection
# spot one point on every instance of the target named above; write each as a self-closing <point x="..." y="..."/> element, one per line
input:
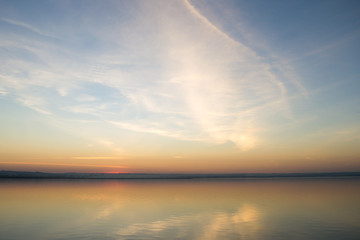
<point x="247" y="213"/>
<point x="183" y="209"/>
<point x="217" y="223"/>
<point x="245" y="222"/>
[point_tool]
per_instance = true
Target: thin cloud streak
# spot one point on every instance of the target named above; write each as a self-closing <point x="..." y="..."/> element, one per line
<point x="62" y="164"/>
<point x="89" y="158"/>
<point x="194" y="11"/>
<point x="26" y="26"/>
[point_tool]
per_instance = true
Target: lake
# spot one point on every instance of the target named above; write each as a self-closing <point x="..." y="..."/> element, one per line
<point x="302" y="208"/>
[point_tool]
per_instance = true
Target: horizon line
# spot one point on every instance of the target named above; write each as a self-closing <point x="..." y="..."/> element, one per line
<point x="79" y="175"/>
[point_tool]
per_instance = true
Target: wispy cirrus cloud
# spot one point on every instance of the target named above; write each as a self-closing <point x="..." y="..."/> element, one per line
<point x="169" y="72"/>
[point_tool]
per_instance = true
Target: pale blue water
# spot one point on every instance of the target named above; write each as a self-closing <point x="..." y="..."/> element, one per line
<point x="180" y="209"/>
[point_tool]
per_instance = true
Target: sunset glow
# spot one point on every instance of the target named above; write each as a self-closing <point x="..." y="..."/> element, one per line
<point x="180" y="86"/>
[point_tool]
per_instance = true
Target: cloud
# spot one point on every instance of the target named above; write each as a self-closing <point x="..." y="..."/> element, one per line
<point x="92" y="157"/>
<point x="24" y="25"/>
<point x="146" y="128"/>
<point x="167" y="70"/>
<point x="179" y="157"/>
<point x="35" y="103"/>
<point x="196" y="13"/>
<point x="64" y="164"/>
<point x="3" y="92"/>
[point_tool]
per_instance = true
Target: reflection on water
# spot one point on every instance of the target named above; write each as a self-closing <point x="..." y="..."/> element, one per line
<point x="180" y="209"/>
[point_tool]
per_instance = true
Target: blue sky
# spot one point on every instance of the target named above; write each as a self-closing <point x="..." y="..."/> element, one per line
<point x="164" y="85"/>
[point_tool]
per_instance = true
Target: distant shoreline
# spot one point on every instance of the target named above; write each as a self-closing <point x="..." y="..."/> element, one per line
<point x="44" y="175"/>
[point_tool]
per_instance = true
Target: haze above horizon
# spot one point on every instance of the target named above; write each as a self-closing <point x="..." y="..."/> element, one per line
<point x="180" y="86"/>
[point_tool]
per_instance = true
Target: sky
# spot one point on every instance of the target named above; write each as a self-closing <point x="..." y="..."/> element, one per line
<point x="180" y="86"/>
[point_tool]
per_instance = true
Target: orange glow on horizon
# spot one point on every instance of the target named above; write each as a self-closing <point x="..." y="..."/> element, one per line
<point x="53" y="167"/>
<point x="116" y="172"/>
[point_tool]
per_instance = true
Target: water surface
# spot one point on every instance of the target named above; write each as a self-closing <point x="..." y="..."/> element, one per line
<point x="180" y="209"/>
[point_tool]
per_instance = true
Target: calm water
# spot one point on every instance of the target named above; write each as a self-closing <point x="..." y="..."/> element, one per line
<point x="180" y="209"/>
